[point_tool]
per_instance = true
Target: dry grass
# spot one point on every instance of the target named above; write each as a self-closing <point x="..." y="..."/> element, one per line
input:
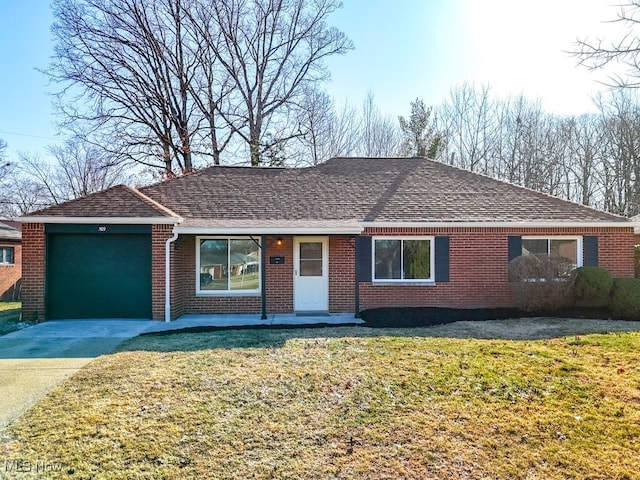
<point x="343" y="403"/>
<point x="10" y="317"/>
<point x="10" y="306"/>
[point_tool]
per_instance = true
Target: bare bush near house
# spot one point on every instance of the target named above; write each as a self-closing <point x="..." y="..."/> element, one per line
<point x="541" y="282"/>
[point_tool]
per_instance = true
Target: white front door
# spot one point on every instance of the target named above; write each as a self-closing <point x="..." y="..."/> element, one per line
<point x="311" y="274"/>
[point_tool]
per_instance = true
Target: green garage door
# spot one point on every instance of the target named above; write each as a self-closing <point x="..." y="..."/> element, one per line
<point x="98" y="271"/>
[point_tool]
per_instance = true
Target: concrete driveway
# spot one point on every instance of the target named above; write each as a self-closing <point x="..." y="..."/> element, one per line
<point x="37" y="358"/>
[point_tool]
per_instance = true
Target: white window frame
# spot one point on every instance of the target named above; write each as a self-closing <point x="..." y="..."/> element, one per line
<point x="4" y="257"/>
<point x="227" y="293"/>
<point x="432" y="261"/>
<point x="548" y="238"/>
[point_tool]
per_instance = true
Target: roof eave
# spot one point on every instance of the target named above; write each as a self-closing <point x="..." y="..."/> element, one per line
<point x="351" y="230"/>
<point x="103" y="220"/>
<point x="503" y="224"/>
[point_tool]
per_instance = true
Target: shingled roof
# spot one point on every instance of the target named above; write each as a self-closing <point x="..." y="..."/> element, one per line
<point x="8" y="232"/>
<point x="120" y="201"/>
<point x="342" y="190"/>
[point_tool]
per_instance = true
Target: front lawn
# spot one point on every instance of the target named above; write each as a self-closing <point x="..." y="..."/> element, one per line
<point x="343" y="403"/>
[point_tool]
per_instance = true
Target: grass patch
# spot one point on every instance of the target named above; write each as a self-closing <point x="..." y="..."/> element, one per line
<point x="10" y="317"/>
<point x="344" y="403"/>
<point x="4" y="306"/>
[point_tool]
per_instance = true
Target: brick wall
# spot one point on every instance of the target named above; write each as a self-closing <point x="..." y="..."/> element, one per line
<point x="33" y="271"/>
<point x="479" y="266"/>
<point x="10" y="274"/>
<point x="280" y="277"/>
<point x="159" y="236"/>
<point x="279" y="280"/>
<point x="185" y="298"/>
<point x="478" y="271"/>
<point x="342" y="274"/>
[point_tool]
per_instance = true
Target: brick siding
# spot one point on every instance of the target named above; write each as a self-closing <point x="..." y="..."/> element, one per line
<point x="479" y="266"/>
<point x="10" y="274"/>
<point x="478" y="271"/>
<point x="33" y="271"/>
<point x="159" y="236"/>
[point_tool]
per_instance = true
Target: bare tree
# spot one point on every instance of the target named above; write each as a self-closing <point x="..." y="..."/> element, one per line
<point x="273" y="50"/>
<point x="379" y="135"/>
<point x="587" y="154"/>
<point x="470" y="131"/>
<point x="4" y="164"/>
<point x="125" y="67"/>
<point x="598" y="53"/>
<point x="25" y="196"/>
<point x="70" y="171"/>
<point x="164" y="80"/>
<point x="5" y="189"/>
<point x="621" y="172"/>
<point x="327" y="133"/>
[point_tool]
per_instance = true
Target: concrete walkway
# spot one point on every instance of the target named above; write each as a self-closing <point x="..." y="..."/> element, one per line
<point x="36" y="359"/>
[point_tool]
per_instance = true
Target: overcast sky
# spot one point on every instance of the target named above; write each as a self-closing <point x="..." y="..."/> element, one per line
<point x="403" y="49"/>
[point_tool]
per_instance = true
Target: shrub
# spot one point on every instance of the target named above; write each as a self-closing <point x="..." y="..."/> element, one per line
<point x="541" y="282"/>
<point x="592" y="286"/>
<point x="636" y="257"/>
<point x="625" y="298"/>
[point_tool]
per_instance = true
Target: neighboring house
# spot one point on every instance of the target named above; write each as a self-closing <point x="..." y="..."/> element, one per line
<point x="636" y="230"/>
<point x="344" y="236"/>
<point x="10" y="260"/>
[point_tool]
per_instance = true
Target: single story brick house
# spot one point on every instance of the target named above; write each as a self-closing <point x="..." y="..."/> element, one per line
<point x="10" y="260"/>
<point x="343" y="236"/>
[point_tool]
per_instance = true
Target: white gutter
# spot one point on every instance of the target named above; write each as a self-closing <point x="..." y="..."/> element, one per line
<point x="104" y="220"/>
<point x="167" y="276"/>
<point x="554" y="224"/>
<point x="353" y="230"/>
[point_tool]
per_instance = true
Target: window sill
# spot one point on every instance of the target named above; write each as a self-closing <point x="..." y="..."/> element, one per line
<point x="426" y="283"/>
<point x="226" y="294"/>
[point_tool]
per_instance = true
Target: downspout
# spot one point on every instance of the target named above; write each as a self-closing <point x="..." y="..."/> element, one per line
<point x="167" y="276"/>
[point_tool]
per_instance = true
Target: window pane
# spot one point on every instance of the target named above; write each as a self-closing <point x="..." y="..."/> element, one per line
<point x="310" y="268"/>
<point x="537" y="246"/>
<point x="214" y="264"/>
<point x="417" y="259"/>
<point x="310" y="259"/>
<point x="244" y="265"/>
<point x="566" y="249"/>
<point x="6" y="255"/>
<point x="387" y="256"/>
<point x="310" y="250"/>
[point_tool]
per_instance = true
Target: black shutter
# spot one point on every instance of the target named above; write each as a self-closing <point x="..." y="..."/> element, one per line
<point x="442" y="259"/>
<point x="363" y="259"/>
<point x="515" y="247"/>
<point x="590" y="250"/>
